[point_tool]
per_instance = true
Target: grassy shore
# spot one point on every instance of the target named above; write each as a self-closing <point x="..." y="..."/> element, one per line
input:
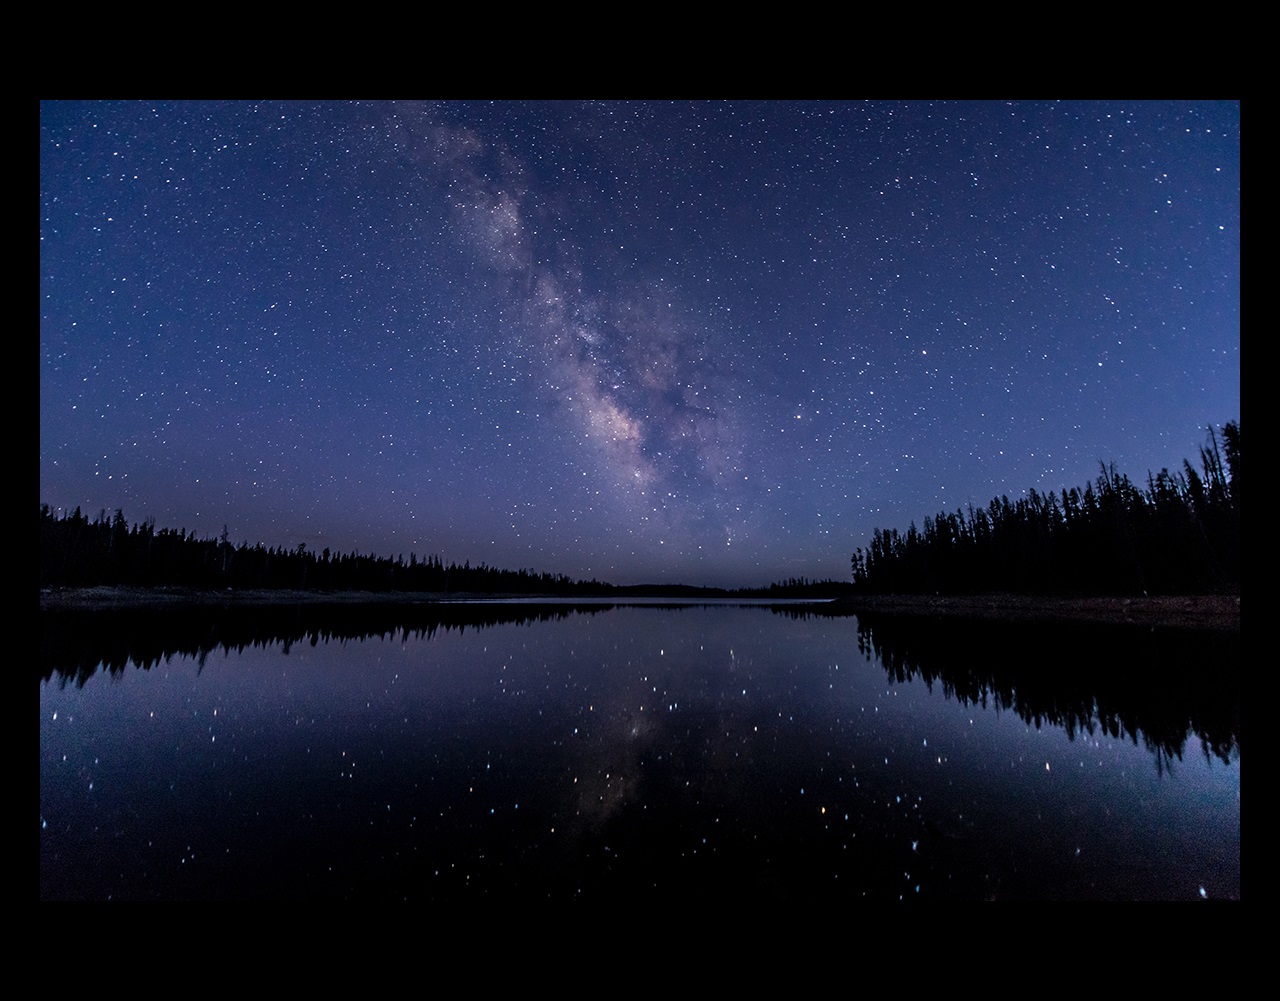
<point x="1218" y="612"/>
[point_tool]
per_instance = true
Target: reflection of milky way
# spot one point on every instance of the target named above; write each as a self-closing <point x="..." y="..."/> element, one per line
<point x="612" y="773"/>
<point x="635" y="381"/>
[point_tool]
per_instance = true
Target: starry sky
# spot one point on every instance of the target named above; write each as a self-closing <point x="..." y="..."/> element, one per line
<point x="703" y="342"/>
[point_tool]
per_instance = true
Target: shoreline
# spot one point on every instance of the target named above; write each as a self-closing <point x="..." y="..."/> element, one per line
<point x="1212" y="611"/>
<point x="1218" y="612"/>
<point x="167" y="597"/>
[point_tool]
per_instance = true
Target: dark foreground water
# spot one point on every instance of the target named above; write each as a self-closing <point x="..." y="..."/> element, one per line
<point x="487" y="753"/>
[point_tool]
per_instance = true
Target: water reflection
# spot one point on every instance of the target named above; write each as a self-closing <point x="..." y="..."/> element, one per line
<point x="74" y="643"/>
<point x="480" y="752"/>
<point x="1157" y="686"/>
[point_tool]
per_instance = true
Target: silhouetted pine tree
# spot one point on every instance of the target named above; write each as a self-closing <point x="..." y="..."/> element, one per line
<point x="1181" y="536"/>
<point x="74" y="552"/>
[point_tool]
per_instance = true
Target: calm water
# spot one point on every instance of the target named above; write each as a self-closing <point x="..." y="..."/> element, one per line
<point x="600" y="753"/>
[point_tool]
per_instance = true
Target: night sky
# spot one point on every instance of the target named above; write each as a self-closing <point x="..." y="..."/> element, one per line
<point x="704" y="342"/>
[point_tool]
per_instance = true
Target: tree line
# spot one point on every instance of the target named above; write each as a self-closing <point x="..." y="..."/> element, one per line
<point x="106" y="551"/>
<point x="75" y="551"/>
<point x="1179" y="535"/>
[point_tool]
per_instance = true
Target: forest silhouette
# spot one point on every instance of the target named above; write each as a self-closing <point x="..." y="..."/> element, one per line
<point x="106" y="552"/>
<point x="78" y="552"/>
<point x="1181" y="535"/>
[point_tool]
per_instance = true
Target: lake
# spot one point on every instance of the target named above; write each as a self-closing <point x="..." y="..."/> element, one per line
<point x="598" y="752"/>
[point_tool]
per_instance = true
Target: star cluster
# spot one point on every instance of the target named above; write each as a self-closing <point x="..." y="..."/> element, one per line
<point x="708" y="342"/>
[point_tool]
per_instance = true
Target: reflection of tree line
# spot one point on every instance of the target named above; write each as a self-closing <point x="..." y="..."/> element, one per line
<point x="1088" y="679"/>
<point x="1116" y="680"/>
<point x="74" y="644"/>
<point x="1179" y="536"/>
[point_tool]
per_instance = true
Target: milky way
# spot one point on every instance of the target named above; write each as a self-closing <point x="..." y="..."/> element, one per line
<point x="709" y="342"/>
